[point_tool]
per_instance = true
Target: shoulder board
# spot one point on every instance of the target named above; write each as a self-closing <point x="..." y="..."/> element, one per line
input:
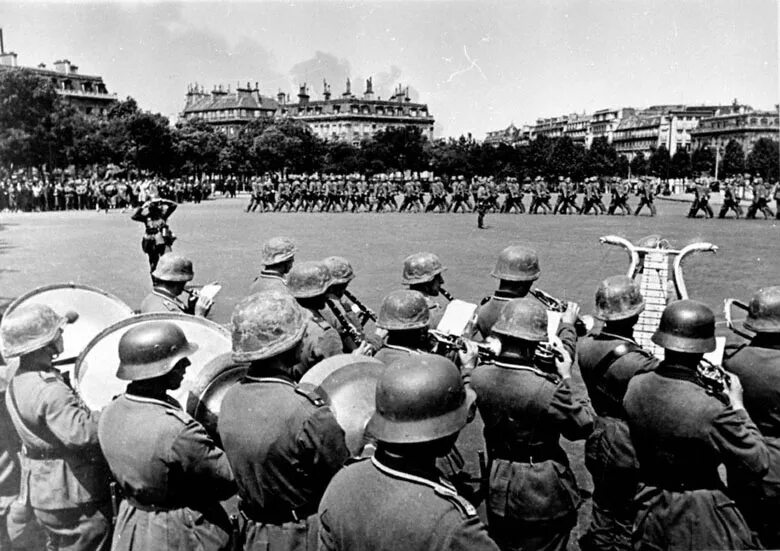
<point x="485" y="300"/>
<point x="179" y="414"/>
<point x="311" y="393"/>
<point x="48" y="376"/>
<point x="466" y="509"/>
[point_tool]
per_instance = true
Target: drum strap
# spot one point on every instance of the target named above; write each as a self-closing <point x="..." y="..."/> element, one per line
<point x="29" y="437"/>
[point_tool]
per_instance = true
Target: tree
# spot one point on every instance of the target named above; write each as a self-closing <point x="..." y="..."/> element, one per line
<point x="703" y="161"/>
<point x="680" y="165"/>
<point x="400" y="148"/>
<point x="733" y="161"/>
<point x="197" y="146"/>
<point x="659" y="162"/>
<point x="623" y="166"/>
<point x="639" y="165"/>
<point x="763" y="159"/>
<point x="602" y="159"/>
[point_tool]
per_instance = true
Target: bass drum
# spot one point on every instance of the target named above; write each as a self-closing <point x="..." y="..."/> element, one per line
<point x="320" y="371"/>
<point x="96" y="308"/>
<point x="95" y="377"/>
<point x="350" y="390"/>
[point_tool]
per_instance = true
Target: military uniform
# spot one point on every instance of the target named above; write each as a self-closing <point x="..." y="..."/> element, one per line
<point x="532" y="496"/>
<point x="757" y="364"/>
<point x="607" y="363"/>
<point x="62" y="466"/>
<point x="159" y="300"/>
<point x="730" y="201"/>
<point x="320" y="341"/>
<point x="268" y="281"/>
<point x="701" y="201"/>
<point x="283" y="469"/>
<point x="682" y="432"/>
<point x="646" y="196"/>
<point x="419" y="511"/>
<point x="171" y="474"/>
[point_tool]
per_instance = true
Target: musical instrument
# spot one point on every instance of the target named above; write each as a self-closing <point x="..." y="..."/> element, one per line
<point x="348" y="383"/>
<point x="713" y="376"/>
<point x="487" y="350"/>
<point x="351" y="330"/>
<point x="728" y="307"/>
<point x="96" y="310"/>
<point x="649" y="261"/>
<point x="446" y="294"/>
<point x="582" y="325"/>
<point x="366" y="312"/>
<point x="95" y="378"/>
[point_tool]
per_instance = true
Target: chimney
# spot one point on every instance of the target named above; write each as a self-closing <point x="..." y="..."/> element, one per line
<point x="303" y="94"/>
<point x="280" y="97"/>
<point x="74" y="69"/>
<point x="369" y="93"/>
<point x="325" y="89"/>
<point x="62" y="66"/>
<point x="348" y="92"/>
<point x="8" y="59"/>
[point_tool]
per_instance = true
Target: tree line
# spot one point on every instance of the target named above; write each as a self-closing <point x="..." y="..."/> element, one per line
<point x="38" y="129"/>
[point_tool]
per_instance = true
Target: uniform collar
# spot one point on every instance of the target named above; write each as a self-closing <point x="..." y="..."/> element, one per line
<point x="421" y="478"/>
<point x="169" y="402"/>
<point x="402" y="348"/>
<point x="607" y="335"/>
<point x="271" y="275"/>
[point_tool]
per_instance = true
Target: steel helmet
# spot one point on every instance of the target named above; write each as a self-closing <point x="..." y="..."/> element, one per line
<point x="308" y="279"/>
<point x="173" y="267"/>
<point x="686" y="326"/>
<point x="277" y="250"/>
<point x="421" y="268"/>
<point x="151" y="350"/>
<point x="265" y="325"/>
<point x="522" y="318"/>
<point x="617" y="298"/>
<point x="420" y="398"/>
<point x="764" y="311"/>
<point x="517" y="263"/>
<point x="31" y="327"/>
<point x="340" y="269"/>
<point x="403" y="310"/>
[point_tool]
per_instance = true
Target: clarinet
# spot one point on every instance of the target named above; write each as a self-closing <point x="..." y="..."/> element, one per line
<point x="345" y="323"/>
<point x="446" y="294"/>
<point x="367" y="313"/>
<point x="549" y="301"/>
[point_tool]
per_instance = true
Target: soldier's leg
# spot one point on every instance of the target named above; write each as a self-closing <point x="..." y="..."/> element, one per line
<point x="724" y="209"/>
<point x="480" y="218"/>
<point x="694" y="209"/>
<point x="559" y="205"/>
<point x="708" y="210"/>
<point x="653" y="211"/>
<point x="751" y="211"/>
<point x="639" y="207"/>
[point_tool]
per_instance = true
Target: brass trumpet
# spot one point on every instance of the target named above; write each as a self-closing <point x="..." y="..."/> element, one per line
<point x="713" y="377"/>
<point x="488" y="350"/>
<point x="583" y="324"/>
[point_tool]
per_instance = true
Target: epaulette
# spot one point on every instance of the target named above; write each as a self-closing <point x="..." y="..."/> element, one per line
<point x="485" y="300"/>
<point x="179" y="414"/>
<point x="467" y="510"/>
<point x="311" y="392"/>
<point x="48" y="376"/>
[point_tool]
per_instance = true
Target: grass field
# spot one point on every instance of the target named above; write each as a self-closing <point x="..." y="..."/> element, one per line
<point x="224" y="243"/>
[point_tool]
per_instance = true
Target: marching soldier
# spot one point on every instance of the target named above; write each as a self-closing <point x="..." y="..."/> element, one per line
<point x="592" y="199"/>
<point x="776" y="195"/>
<point x="438" y="197"/>
<point x="620" y="192"/>
<point x="423" y="272"/>
<point x="171" y="473"/>
<point x="421" y="405"/>
<point x="541" y="197"/>
<point x="483" y="204"/>
<point x="514" y="198"/>
<point x="285" y="196"/>
<point x="459" y="196"/>
<point x="308" y="283"/>
<point x="560" y="202"/>
<point x="172" y="274"/>
<point x="277" y="257"/>
<point x="158" y="237"/>
<point x="526" y="403"/>
<point x="760" y="199"/>
<point x="517" y="267"/>
<point x="283" y="469"/>
<point x="410" y="196"/>
<point x="646" y="195"/>
<point x="757" y="364"/>
<point x="608" y="357"/>
<point x="730" y="201"/>
<point x="256" y="198"/>
<point x="701" y="200"/>
<point x="684" y="426"/>
<point x="65" y="479"/>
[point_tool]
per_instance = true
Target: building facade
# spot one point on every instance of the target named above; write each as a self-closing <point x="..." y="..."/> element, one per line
<point x="507" y="136"/>
<point x="741" y="123"/>
<point x="346" y="118"/>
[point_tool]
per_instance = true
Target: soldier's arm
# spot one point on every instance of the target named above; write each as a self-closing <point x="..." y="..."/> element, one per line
<point x="572" y="413"/>
<point x="568" y="336"/>
<point x="67" y="417"/>
<point x="742" y="445"/>
<point x="323" y="438"/>
<point x="457" y="531"/>
<point x="139" y="214"/>
<point x="202" y="461"/>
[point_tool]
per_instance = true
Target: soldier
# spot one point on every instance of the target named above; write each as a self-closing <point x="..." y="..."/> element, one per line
<point x="701" y="200"/>
<point x="483" y="204"/>
<point x="65" y="477"/>
<point x="619" y="198"/>
<point x="562" y="200"/>
<point x="608" y="357"/>
<point x="776" y="195"/>
<point x="459" y="196"/>
<point x="423" y="272"/>
<point x="683" y="426"/>
<point x="541" y="197"/>
<point x="283" y="469"/>
<point x="438" y="197"/>
<point x="730" y="201"/>
<point x="646" y="196"/>
<point x="526" y="402"/>
<point x="492" y="194"/>
<point x="757" y="364"/>
<point x="158" y="237"/>
<point x="285" y="196"/>
<point x="760" y="198"/>
<point x="410" y="196"/>
<point x="277" y="257"/>
<point x="421" y="405"/>
<point x="308" y="282"/>
<point x="517" y="267"/>
<point x="338" y="312"/>
<point x="170" y="278"/>
<point x="169" y="470"/>
<point x="591" y="199"/>
<point x="513" y="198"/>
<point x="405" y="316"/>
<point x="384" y="196"/>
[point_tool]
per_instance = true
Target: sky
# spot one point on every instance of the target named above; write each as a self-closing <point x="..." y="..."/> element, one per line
<point x="478" y="65"/>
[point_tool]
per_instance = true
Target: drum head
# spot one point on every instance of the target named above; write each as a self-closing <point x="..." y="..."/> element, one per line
<point x="95" y="373"/>
<point x="97" y="310"/>
<point x="351" y="392"/>
<point x="320" y="371"/>
<point x="213" y="382"/>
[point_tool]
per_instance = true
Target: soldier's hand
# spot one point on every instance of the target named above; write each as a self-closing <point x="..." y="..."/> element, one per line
<point x="468" y="355"/>
<point x="571" y="313"/>
<point x="365" y="349"/>
<point x="563" y="359"/>
<point x="734" y="391"/>
<point x="203" y="306"/>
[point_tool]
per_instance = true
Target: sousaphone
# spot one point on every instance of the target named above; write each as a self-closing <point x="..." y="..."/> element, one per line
<point x="95" y="377"/>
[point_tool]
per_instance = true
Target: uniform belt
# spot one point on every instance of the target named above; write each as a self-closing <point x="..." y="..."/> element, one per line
<point x="277" y="516"/>
<point x="150" y="507"/>
<point x="679" y="485"/>
<point x="42" y="454"/>
<point x="525" y="455"/>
